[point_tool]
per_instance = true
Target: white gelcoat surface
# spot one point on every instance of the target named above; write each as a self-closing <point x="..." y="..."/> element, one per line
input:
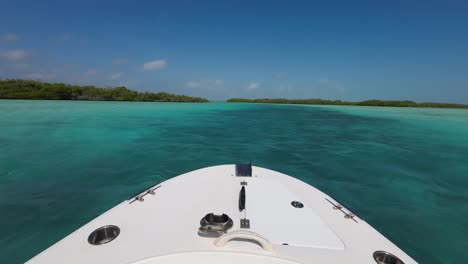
<point x="163" y="228"/>
<point x="274" y="217"/>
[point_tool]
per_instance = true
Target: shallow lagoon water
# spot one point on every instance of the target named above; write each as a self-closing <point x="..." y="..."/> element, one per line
<point x="403" y="170"/>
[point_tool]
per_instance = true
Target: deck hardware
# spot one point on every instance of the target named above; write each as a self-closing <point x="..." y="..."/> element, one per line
<point x="347" y="214"/>
<point x="297" y="204"/>
<point x="337" y="206"/>
<point x="242" y="199"/>
<point x="103" y="235"/>
<point x="243" y="183"/>
<point x="245" y="223"/>
<point x="244" y="170"/>
<point x="139" y="197"/>
<point x="244" y="235"/>
<point x="212" y="225"/>
<point x="384" y="257"/>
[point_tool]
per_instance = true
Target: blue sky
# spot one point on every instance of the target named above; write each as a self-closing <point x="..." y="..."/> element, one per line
<point x="348" y="50"/>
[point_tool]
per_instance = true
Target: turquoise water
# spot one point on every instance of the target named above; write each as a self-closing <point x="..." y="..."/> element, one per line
<point x="404" y="170"/>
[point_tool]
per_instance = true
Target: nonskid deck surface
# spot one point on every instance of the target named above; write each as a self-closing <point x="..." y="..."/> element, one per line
<point x="161" y="225"/>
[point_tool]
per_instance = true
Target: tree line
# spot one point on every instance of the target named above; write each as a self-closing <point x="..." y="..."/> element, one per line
<point x="339" y="102"/>
<point x="28" y="89"/>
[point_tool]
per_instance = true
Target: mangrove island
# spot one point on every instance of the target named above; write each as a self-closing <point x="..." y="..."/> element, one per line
<point x="339" y="102"/>
<point x="28" y="89"/>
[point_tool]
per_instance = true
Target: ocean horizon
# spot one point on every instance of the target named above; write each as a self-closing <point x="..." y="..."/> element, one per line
<point x="403" y="170"/>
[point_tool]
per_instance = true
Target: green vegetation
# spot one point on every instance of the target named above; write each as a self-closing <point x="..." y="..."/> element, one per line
<point x="338" y="102"/>
<point x="25" y="89"/>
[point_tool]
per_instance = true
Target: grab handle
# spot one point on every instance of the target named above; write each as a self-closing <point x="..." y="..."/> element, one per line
<point x="243" y="234"/>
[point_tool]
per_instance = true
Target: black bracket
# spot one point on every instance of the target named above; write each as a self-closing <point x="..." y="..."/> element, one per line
<point x="244" y="170"/>
<point x="245" y="223"/>
<point x="242" y="199"/>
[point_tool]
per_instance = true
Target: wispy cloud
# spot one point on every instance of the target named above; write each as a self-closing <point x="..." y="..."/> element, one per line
<point x="218" y="82"/>
<point x="323" y="80"/>
<point x="340" y="87"/>
<point x="62" y="38"/>
<point x="15" y="55"/>
<point x="193" y="84"/>
<point x="119" y="62"/>
<point x="8" y="37"/>
<point x="19" y="66"/>
<point x="284" y="88"/>
<point x="66" y="36"/>
<point x="280" y="75"/>
<point x="253" y="86"/>
<point x="115" y="76"/>
<point x="90" y="72"/>
<point x="154" y="65"/>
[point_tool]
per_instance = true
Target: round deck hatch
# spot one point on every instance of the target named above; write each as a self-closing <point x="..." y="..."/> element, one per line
<point x="103" y="235"/>
<point x="383" y="257"/>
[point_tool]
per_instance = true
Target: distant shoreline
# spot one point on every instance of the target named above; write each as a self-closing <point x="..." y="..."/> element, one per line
<point x="339" y="102"/>
<point x="35" y="90"/>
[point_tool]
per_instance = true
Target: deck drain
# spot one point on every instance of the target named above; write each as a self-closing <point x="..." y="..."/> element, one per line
<point x="297" y="204"/>
<point x="103" y="235"/>
<point x="383" y="257"/>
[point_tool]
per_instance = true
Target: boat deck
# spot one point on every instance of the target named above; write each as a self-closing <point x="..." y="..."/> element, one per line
<point x="162" y="226"/>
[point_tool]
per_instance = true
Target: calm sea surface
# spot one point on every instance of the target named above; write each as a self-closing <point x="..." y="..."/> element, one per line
<point x="404" y="170"/>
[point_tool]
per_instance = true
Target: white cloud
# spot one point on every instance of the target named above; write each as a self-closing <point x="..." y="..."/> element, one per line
<point x="115" y="76"/>
<point x="15" y="55"/>
<point x="253" y="86"/>
<point x="8" y="37"/>
<point x="193" y="84"/>
<point x="323" y="80"/>
<point x="154" y="65"/>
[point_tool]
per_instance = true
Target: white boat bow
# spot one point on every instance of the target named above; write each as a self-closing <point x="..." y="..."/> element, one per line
<point x="269" y="217"/>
